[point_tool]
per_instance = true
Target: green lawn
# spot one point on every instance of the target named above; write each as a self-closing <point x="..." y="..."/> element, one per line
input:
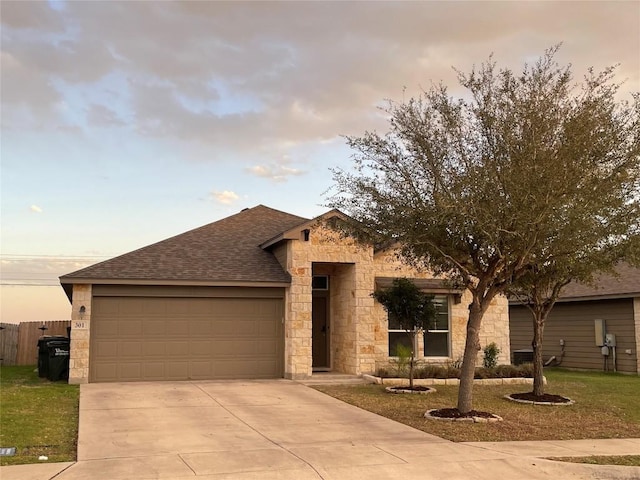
<point x="37" y="416"/>
<point x="606" y="407"/>
<point x="622" y="460"/>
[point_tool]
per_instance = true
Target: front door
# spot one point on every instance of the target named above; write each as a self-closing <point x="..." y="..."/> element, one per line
<point x="320" y="333"/>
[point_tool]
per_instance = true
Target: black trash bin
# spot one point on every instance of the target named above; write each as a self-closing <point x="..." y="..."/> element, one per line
<point x="58" y="359"/>
<point x="43" y="353"/>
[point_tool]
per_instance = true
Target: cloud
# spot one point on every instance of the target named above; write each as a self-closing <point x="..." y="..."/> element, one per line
<point x="35" y="209"/>
<point x="225" y="197"/>
<point x="274" y="172"/>
<point x="101" y="116"/>
<point x="268" y="76"/>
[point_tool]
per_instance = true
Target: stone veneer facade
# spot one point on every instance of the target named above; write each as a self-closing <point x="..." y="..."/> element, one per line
<point x="358" y="324"/>
<point x="80" y="332"/>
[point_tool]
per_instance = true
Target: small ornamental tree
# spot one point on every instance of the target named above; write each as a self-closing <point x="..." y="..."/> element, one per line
<point x="413" y="309"/>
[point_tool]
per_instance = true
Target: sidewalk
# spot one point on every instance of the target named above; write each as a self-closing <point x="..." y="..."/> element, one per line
<point x="495" y="458"/>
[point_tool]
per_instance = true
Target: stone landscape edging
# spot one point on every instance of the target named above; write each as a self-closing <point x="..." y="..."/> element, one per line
<point x="448" y="381"/>
<point x="475" y="419"/>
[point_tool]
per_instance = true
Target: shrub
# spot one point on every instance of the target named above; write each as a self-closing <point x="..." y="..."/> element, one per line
<point x="450" y="371"/>
<point x="483" y="372"/>
<point x="404" y="355"/>
<point x="491" y="353"/>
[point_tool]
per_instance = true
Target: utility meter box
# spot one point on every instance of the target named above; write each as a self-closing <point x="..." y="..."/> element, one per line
<point x="600" y="328"/>
<point x="610" y="340"/>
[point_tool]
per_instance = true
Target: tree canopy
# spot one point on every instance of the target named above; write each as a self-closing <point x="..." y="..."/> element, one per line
<point x="480" y="188"/>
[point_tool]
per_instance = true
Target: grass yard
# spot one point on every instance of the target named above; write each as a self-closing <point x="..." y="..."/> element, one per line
<point x="622" y="460"/>
<point x="606" y="407"/>
<point x="37" y="416"/>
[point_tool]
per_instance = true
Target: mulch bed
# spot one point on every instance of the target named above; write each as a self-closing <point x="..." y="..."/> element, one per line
<point x="544" y="399"/>
<point x="408" y="389"/>
<point x="453" y="414"/>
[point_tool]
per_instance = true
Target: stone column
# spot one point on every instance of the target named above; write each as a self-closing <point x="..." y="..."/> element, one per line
<point x="80" y="332"/>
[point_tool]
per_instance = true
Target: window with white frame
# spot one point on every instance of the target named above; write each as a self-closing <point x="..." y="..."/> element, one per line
<point x="436" y="336"/>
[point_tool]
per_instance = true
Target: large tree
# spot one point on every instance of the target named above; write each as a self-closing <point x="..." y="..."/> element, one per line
<point x="469" y="187"/>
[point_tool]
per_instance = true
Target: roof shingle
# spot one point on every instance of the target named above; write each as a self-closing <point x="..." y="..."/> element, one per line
<point x="224" y="251"/>
<point x="625" y="284"/>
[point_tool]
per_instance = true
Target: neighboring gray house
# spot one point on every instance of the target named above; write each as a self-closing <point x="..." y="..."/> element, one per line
<point x="259" y="294"/>
<point x="576" y="316"/>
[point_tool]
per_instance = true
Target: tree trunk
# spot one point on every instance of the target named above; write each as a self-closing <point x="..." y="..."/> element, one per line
<point x="471" y="349"/>
<point x="536" y="343"/>
<point x="411" y="361"/>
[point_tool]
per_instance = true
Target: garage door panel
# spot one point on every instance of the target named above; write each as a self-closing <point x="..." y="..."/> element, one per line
<point x="151" y="348"/>
<point x="107" y="371"/>
<point x="222" y="348"/>
<point x="200" y="369"/>
<point x="154" y="327"/>
<point x="129" y="371"/>
<point x="106" y="328"/>
<point x="244" y="327"/>
<point x="154" y="370"/>
<point x="131" y="306"/>
<point x="130" y="349"/>
<point x="265" y="347"/>
<point x="177" y="370"/>
<point x="177" y="327"/>
<point x="200" y="328"/>
<point x="155" y="338"/>
<point x="130" y="328"/>
<point x="267" y="329"/>
<point x="106" y="349"/>
<point x="177" y="349"/>
<point x="203" y="348"/>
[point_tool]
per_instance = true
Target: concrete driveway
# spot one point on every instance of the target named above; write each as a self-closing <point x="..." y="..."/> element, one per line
<point x="273" y="430"/>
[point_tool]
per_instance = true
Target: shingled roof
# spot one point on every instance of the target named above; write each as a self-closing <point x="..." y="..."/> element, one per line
<point x="224" y="251"/>
<point x="625" y="284"/>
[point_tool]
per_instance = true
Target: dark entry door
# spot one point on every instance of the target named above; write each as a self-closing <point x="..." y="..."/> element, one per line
<point x="320" y="333"/>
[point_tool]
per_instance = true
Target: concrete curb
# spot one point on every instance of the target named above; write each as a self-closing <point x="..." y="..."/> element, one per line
<point x="448" y="381"/>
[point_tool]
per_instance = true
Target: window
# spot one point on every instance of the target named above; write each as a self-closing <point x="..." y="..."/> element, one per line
<point x="397" y="336"/>
<point x="436" y="337"/>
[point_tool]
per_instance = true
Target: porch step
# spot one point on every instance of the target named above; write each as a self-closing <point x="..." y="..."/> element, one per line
<point x="328" y="378"/>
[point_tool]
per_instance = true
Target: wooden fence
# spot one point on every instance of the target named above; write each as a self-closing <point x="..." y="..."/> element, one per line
<point x="8" y="343"/>
<point x="20" y="342"/>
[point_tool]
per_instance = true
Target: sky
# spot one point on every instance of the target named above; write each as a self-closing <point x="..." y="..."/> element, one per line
<point x="125" y="123"/>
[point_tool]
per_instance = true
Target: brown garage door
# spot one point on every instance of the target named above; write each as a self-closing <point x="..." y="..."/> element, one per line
<point x="147" y="338"/>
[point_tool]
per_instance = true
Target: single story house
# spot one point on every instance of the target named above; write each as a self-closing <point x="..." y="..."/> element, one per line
<point x="579" y="322"/>
<point x="259" y="294"/>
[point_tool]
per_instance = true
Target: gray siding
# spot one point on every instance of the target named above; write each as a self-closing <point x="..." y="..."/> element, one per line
<point x="573" y="322"/>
